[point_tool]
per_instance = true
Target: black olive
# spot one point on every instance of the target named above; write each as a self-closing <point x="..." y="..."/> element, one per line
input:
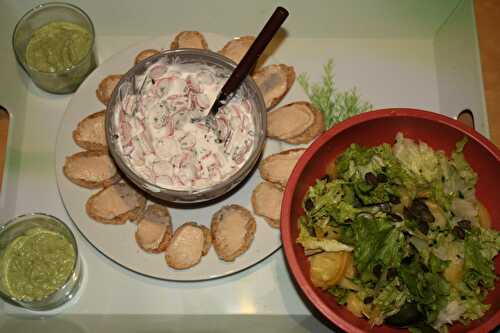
<point x="348" y="221"/>
<point x="418" y="205"/>
<point x="391" y="273"/>
<point x="464" y="224"/>
<point x="368" y="300"/>
<point x="408" y="213"/>
<point x="309" y="204"/>
<point x="377" y="270"/>
<point x="371" y="179"/>
<point x="406" y="316"/>
<point x="407" y="260"/>
<point x="325" y="177"/>
<point x="458" y="232"/>
<point x="394" y="199"/>
<point x="395" y="217"/>
<point x="423" y="227"/>
<point x="381" y="178"/>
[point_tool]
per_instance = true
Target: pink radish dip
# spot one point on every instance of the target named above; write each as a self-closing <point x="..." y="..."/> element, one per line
<point x="158" y="139"/>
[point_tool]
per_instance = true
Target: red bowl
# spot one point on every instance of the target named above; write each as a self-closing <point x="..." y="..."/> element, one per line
<point x="370" y="129"/>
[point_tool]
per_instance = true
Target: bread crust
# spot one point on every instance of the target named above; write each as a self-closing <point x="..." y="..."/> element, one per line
<point x="236" y="48"/>
<point x="219" y="245"/>
<point x="177" y="43"/>
<point x="310" y="132"/>
<point x="144" y="54"/>
<point x="290" y="79"/>
<point x="88" y="183"/>
<point x="88" y="144"/>
<point x="163" y="212"/>
<point x="132" y="215"/>
<point x="267" y="174"/>
<point x="172" y="262"/>
<point x="313" y="131"/>
<point x="106" y="87"/>
<point x="275" y="223"/>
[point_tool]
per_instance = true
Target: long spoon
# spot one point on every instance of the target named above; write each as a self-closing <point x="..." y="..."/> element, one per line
<point x="246" y="64"/>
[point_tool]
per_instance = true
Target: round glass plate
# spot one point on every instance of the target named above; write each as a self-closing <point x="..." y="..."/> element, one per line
<point x="117" y="242"/>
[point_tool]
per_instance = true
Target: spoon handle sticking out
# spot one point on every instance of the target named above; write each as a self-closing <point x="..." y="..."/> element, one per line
<point x="250" y="58"/>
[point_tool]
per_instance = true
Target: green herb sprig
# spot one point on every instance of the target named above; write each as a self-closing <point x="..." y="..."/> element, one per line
<point x="336" y="105"/>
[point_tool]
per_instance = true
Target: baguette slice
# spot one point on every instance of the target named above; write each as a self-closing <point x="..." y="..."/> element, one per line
<point x="266" y="202"/>
<point x="91" y="169"/>
<point x="295" y="123"/>
<point x="274" y="82"/>
<point x="189" y="39"/>
<point x="154" y="229"/>
<point x="236" y="48"/>
<point x="116" y="204"/>
<point x="277" y="168"/>
<point x="106" y="87"/>
<point x="144" y="55"/>
<point x="189" y="243"/>
<point x="90" y="132"/>
<point x="233" y="229"/>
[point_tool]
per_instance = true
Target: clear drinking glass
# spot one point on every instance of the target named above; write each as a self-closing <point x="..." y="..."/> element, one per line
<point x="67" y="80"/>
<point x="19" y="226"/>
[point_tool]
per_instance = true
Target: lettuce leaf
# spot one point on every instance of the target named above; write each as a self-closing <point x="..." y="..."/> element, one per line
<point x="462" y="166"/>
<point x="390" y="299"/>
<point x="429" y="290"/>
<point x="340" y="294"/>
<point x="480" y="247"/>
<point x="419" y="158"/>
<point x="312" y="243"/>
<point x="377" y="242"/>
<point x="472" y="302"/>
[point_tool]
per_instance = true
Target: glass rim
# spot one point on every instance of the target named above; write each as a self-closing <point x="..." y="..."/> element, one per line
<point x="180" y="195"/>
<point x="36" y="9"/>
<point x="21" y="218"/>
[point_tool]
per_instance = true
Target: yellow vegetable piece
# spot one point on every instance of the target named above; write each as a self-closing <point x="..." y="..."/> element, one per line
<point x="327" y="268"/>
<point x="484" y="216"/>
<point x="455" y="271"/>
<point x="350" y="270"/>
<point x="348" y="284"/>
<point x="331" y="170"/>
<point x="355" y="305"/>
<point x="437" y="212"/>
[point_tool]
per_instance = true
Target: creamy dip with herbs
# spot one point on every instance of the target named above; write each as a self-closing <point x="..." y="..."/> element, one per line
<point x="36" y="264"/>
<point x="159" y="139"/>
<point x="58" y="46"/>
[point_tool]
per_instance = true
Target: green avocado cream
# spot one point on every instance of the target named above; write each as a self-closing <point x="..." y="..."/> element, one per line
<point x="36" y="264"/>
<point x="57" y="46"/>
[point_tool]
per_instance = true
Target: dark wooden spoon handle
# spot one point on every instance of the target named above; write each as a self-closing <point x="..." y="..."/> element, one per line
<point x="250" y="58"/>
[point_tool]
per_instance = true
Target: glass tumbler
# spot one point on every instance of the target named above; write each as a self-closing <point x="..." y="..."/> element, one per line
<point x="19" y="226"/>
<point x="68" y="79"/>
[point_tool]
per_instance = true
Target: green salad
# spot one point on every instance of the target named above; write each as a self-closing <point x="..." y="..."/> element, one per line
<point x="397" y="235"/>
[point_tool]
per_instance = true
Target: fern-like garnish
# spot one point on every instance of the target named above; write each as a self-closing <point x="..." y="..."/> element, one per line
<point x="336" y="105"/>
